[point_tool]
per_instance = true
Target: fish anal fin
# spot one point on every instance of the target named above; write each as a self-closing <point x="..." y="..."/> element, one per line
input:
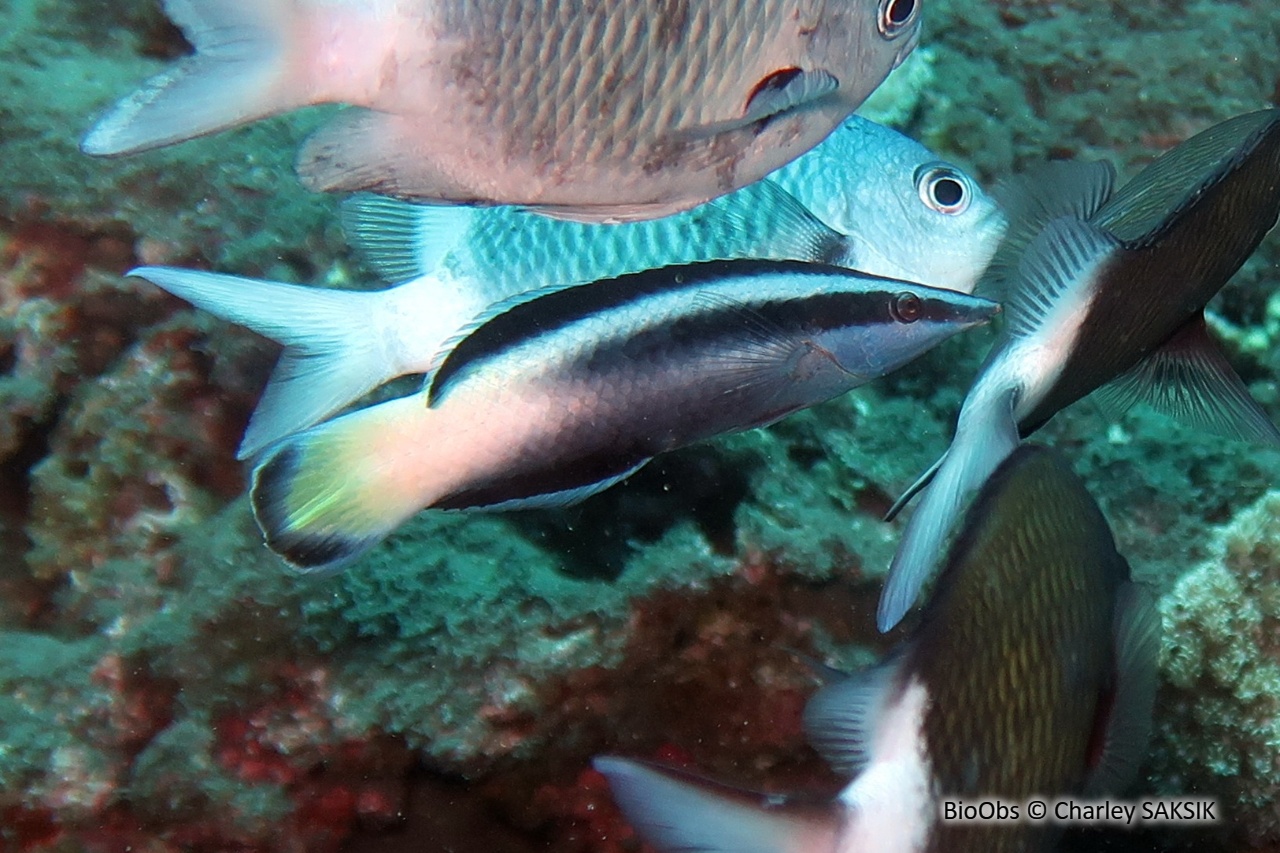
<point x="679" y="812"/>
<point x="366" y="150"/>
<point x="1124" y="723"/>
<point x="1189" y="378"/>
<point x="840" y="720"/>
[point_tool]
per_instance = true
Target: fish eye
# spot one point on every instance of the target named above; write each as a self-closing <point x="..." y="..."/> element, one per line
<point x="896" y="16"/>
<point x="906" y="307"/>
<point x="944" y="189"/>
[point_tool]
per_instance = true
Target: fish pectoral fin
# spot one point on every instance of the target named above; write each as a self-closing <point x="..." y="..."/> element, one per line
<point x="1190" y="380"/>
<point x="841" y="718"/>
<point x="783" y="91"/>
<point x="1126" y="727"/>
<point x="1030" y="201"/>
<point x="401" y="239"/>
<point x="678" y="811"/>
<point x="914" y="489"/>
<point x="1059" y="265"/>
<point x="761" y="359"/>
<point x="799" y="235"/>
<point x="986" y="435"/>
<point x="788" y="89"/>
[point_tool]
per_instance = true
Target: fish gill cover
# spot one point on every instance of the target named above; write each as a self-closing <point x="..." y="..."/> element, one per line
<point x="165" y="684"/>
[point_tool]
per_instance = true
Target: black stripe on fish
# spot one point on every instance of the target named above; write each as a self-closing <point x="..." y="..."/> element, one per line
<point x="561" y="308"/>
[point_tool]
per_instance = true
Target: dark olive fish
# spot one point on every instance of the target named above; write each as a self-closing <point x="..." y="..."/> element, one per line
<point x="553" y="396"/>
<point x="1032" y="673"/>
<point x="1114" y="293"/>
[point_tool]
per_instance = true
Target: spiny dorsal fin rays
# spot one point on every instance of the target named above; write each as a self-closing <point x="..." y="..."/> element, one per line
<point x="1062" y="259"/>
<point x="401" y="240"/>
<point x="1136" y="629"/>
<point x="1189" y="379"/>
<point x="840" y="720"/>
<point x="682" y="813"/>
<point x="1032" y="200"/>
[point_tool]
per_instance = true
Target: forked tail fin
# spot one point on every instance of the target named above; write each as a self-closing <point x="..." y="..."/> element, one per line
<point x="676" y="811"/>
<point x="241" y="71"/>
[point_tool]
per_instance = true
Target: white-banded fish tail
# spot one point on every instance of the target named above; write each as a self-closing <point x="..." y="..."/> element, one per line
<point x="338" y="344"/>
<point x="677" y="812"/>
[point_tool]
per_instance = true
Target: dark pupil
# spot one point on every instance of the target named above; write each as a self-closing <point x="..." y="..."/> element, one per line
<point x="947" y="192"/>
<point x="907" y="307"/>
<point x="900" y="10"/>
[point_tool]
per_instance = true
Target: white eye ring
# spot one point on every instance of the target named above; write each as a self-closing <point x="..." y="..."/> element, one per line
<point x="944" y="189"/>
<point x="897" y="16"/>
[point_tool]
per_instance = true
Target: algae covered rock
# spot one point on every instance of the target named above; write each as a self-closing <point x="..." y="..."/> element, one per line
<point x="1219" y="711"/>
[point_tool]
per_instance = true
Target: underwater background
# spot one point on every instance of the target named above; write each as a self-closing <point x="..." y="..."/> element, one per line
<point x="166" y="684"/>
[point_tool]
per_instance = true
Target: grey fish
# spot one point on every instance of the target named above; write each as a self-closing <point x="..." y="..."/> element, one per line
<point x="1032" y="673"/>
<point x="1113" y="294"/>
<point x="594" y="111"/>
<point x="891" y="209"/>
<point x="553" y="397"/>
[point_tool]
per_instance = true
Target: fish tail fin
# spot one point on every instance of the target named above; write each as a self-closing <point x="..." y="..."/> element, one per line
<point x="677" y="811"/>
<point x="985" y="436"/>
<point x="335" y="349"/>
<point x="326" y="495"/>
<point x="241" y="71"/>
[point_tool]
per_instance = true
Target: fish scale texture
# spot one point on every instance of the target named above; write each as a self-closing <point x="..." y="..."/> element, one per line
<point x="196" y="697"/>
<point x="521" y="47"/>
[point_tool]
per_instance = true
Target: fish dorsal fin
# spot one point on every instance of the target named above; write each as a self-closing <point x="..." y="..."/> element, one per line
<point x="1062" y="259"/>
<point x="679" y="812"/>
<point x="1127" y="727"/>
<point x="1190" y="380"/>
<point x="841" y="718"/>
<point x="1143" y="207"/>
<point x="401" y="240"/>
<point x="1032" y="200"/>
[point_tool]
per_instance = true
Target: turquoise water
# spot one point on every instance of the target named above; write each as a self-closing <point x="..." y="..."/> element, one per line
<point x="168" y="685"/>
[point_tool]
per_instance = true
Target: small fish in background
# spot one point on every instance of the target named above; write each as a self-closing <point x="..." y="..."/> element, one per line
<point x="1032" y="673"/>
<point x="550" y="398"/>
<point x="891" y="209"/>
<point x="1110" y="289"/>
<point x="600" y="111"/>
